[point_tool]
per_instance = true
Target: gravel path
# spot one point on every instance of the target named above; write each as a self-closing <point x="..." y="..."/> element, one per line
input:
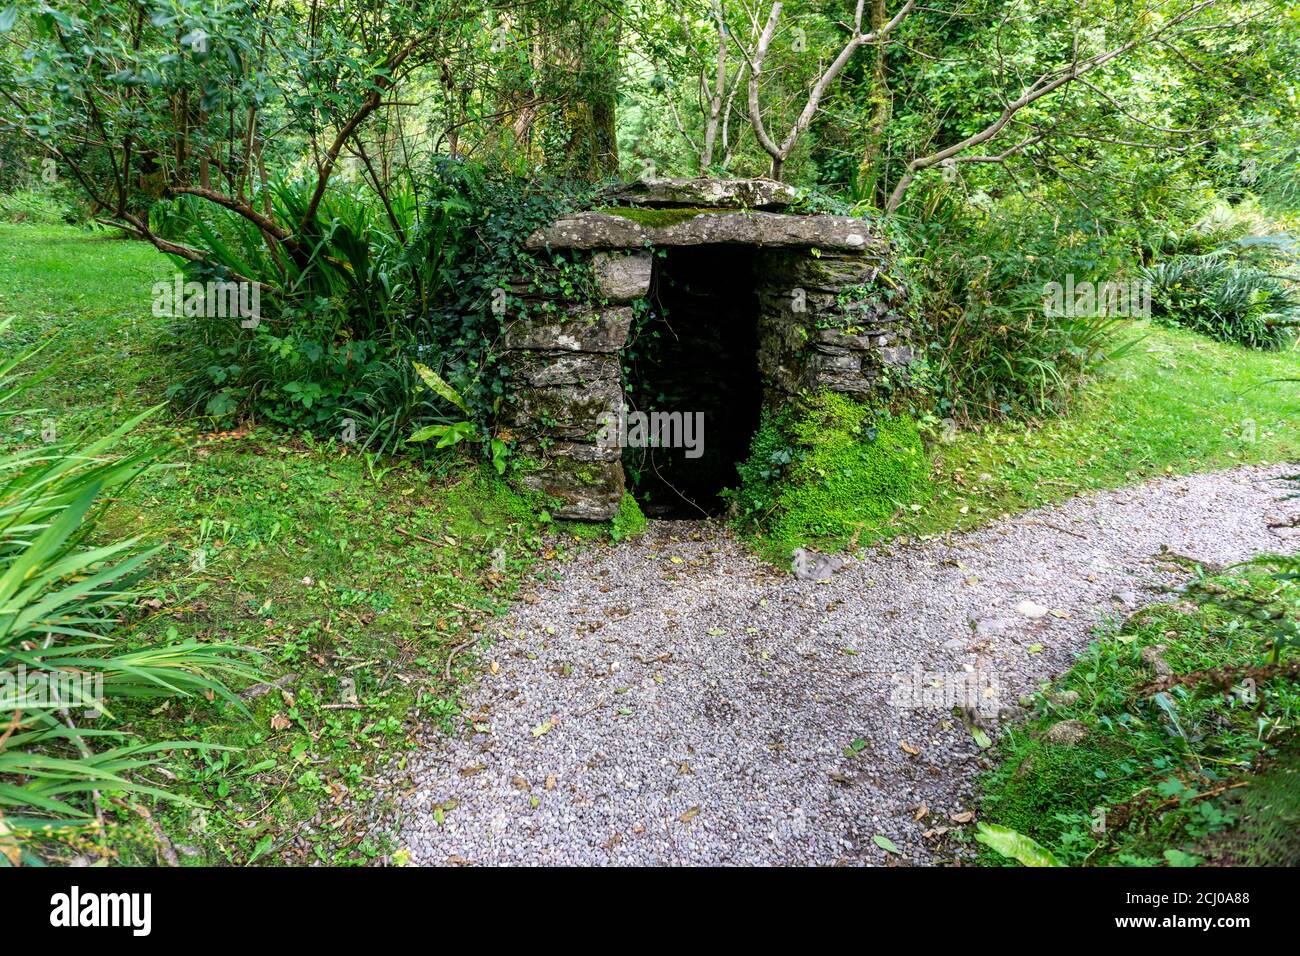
<point x="675" y="701"/>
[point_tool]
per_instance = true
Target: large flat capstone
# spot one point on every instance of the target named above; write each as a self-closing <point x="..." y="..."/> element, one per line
<point x="597" y="229"/>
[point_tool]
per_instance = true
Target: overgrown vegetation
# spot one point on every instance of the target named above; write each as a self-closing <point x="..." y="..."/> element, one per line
<point x="1155" y="746"/>
<point x="69" y="669"/>
<point x="329" y="499"/>
<point x="829" y="471"/>
<point x="348" y="574"/>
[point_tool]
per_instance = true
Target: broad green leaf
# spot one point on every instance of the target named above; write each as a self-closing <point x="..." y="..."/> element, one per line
<point x="1013" y="845"/>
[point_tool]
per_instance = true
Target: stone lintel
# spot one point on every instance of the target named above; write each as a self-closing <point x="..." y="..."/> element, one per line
<point x="607" y="230"/>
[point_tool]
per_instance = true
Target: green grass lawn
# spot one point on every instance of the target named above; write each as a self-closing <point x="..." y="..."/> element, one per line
<point x="355" y="578"/>
<point x="1174" y="403"/>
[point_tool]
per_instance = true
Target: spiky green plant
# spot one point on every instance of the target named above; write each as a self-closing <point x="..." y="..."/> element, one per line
<point x="1221" y="296"/>
<point x="61" y="599"/>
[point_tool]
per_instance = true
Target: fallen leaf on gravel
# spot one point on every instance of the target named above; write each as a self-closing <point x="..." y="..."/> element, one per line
<point x="550" y="782"/>
<point x="982" y="740"/>
<point x="966" y="816"/>
<point x="689" y="815"/>
<point x="613" y="841"/>
<point x="494" y="667"/>
<point x="455" y="860"/>
<point x="717" y="632"/>
<point x="470" y="771"/>
<point x="842" y="779"/>
<point x="545" y="728"/>
<point x="1063" y="615"/>
<point x="885" y="843"/>
<point x="908" y="748"/>
<point x="676" y="560"/>
<point x="855" y="747"/>
<point x="921" y="812"/>
<point x="1034" y="649"/>
<point x="519" y="783"/>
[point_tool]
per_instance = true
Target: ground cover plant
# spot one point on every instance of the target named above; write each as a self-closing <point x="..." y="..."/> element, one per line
<point x="1166" y="739"/>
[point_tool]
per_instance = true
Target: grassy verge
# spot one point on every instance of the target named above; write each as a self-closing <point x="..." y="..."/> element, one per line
<point x="1173" y="740"/>
<point x="1174" y="403"/>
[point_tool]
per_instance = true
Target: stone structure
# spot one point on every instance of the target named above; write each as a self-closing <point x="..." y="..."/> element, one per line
<point x="828" y="316"/>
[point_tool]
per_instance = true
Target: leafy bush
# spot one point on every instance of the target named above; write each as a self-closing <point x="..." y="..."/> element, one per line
<point x="417" y="280"/>
<point x="978" y="271"/>
<point x="61" y="599"/>
<point x="1224" y="298"/>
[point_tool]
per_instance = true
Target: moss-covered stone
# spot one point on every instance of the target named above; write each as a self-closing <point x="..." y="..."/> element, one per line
<point x="658" y="218"/>
<point x="834" y="470"/>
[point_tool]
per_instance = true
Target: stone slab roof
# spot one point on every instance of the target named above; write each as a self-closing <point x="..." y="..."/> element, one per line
<point x="632" y="229"/>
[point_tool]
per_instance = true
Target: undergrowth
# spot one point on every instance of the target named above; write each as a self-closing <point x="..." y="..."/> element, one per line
<point x="1182" y="728"/>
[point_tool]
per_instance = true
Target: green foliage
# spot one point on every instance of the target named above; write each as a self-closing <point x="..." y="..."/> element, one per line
<point x="62" y="598"/>
<point x="44" y="205"/>
<point x="1153" y="779"/>
<point x="979" y="270"/>
<point x="827" y="472"/>
<point x="384" y="285"/>
<point x="1014" y="845"/>
<point x="1219" y="296"/>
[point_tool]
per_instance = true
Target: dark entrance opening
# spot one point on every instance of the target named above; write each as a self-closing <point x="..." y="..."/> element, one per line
<point x="696" y="355"/>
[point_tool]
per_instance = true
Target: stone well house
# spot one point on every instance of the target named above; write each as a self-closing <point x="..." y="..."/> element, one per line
<point x="754" y="302"/>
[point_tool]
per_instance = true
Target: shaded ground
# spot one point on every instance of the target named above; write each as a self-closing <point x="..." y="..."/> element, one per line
<point x="675" y="701"/>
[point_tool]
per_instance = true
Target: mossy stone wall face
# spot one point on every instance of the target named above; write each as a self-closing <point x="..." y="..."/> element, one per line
<point x="829" y="319"/>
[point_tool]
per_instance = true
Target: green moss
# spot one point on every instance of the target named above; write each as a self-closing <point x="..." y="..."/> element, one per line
<point x="835" y="471"/>
<point x="1044" y="790"/>
<point x="659" y="218"/>
<point x="629" y="522"/>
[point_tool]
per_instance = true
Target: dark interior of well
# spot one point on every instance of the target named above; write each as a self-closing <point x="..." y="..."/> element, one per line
<point x="696" y="354"/>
